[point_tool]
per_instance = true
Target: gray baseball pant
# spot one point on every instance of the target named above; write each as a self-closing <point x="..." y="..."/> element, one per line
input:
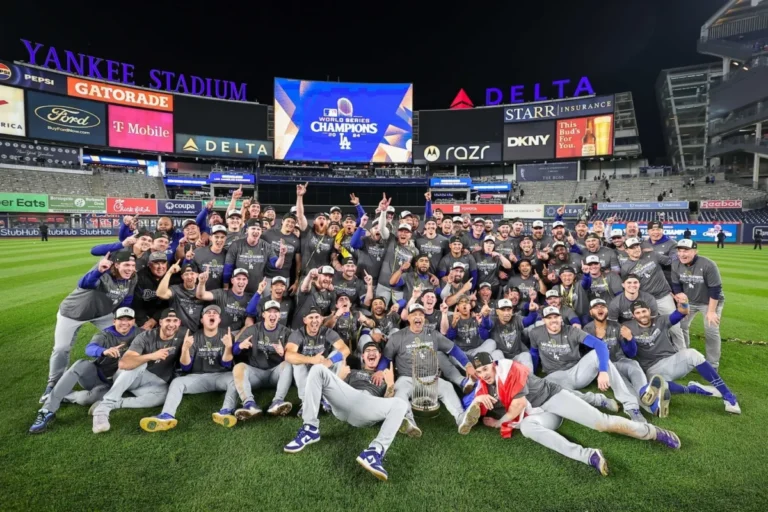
<point x="85" y="373"/>
<point x="300" y="374"/>
<point x="711" y="332"/>
<point x="525" y="359"/>
<point x="565" y="405"/>
<point x="247" y="377"/>
<point x="667" y="307"/>
<point x="194" y="384"/>
<point x="64" y="338"/>
<point x="633" y="374"/>
<point x="148" y="390"/>
<point x="450" y="366"/>
<point x="677" y="365"/>
<point x="584" y="372"/>
<point x="445" y="393"/>
<point x="356" y="407"/>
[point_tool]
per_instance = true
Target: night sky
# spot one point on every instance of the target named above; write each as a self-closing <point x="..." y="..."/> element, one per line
<point x="619" y="44"/>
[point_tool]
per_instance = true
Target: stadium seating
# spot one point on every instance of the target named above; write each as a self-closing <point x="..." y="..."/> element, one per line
<point x="546" y="192"/>
<point x="641" y="215"/>
<point x="751" y="216"/>
<point x="131" y="185"/>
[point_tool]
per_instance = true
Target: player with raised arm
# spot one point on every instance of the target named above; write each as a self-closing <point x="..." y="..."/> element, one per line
<point x="182" y="298"/>
<point x="232" y="302"/>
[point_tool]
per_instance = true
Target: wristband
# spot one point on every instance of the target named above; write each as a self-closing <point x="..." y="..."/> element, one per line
<point x="336" y="357"/>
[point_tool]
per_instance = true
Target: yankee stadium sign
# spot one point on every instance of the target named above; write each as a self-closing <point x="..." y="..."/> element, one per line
<point x="116" y="71"/>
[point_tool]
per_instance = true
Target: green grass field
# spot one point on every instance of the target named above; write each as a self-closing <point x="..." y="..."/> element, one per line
<point x="202" y="466"/>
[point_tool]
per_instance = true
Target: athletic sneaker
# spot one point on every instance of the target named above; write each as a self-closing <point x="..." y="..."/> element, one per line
<point x="307" y="435"/>
<point x="301" y="410"/>
<point x="731" y="404"/>
<point x="468" y="418"/>
<point x="44" y="417"/>
<point x="668" y="438"/>
<point x="609" y="404"/>
<point x="225" y="418"/>
<point x="46" y="394"/>
<point x="664" y="398"/>
<point x="597" y="461"/>
<point x="700" y="389"/>
<point x="635" y="415"/>
<point x="326" y="406"/>
<point x="248" y="411"/>
<point x="279" y="408"/>
<point x="653" y="389"/>
<point x="159" y="423"/>
<point x="100" y="423"/>
<point x="370" y="459"/>
<point x="93" y="407"/>
<point x="409" y="428"/>
<point x="467" y="385"/>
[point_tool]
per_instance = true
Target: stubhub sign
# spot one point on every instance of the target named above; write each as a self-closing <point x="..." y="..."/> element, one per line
<point x="171" y="207"/>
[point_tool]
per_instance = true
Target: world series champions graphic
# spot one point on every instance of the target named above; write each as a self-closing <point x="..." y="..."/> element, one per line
<point x="343" y="122"/>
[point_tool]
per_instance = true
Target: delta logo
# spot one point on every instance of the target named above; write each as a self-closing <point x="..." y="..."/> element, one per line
<point x="5" y="72"/>
<point x="191" y="146"/>
<point x="462" y="101"/>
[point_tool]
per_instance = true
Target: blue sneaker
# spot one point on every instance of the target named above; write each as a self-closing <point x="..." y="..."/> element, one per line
<point x="44" y="417"/>
<point x="307" y="435"/>
<point x="668" y="438"/>
<point x="158" y="423"/>
<point x="279" y="408"/>
<point x="467" y="385"/>
<point x="248" y="411"/>
<point x="370" y="459"/>
<point x="46" y="394"/>
<point x="301" y="410"/>
<point x="609" y="404"/>
<point x="653" y="390"/>
<point x="700" y="389"/>
<point x="225" y="418"/>
<point x="326" y="406"/>
<point x="598" y="462"/>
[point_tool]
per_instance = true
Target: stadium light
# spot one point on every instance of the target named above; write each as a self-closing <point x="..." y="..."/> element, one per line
<point x="745" y="68"/>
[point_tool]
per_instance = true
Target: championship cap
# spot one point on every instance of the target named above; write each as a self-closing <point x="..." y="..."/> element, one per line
<point x="293" y="209"/>
<point x="504" y="304"/>
<point x="369" y="345"/>
<point x="313" y="310"/>
<point x="592" y="259"/>
<point x="268" y="208"/>
<point x="616" y="233"/>
<point x="160" y="234"/>
<point x="687" y="243"/>
<point x="390" y="209"/>
<point x="142" y="232"/>
<point x="567" y="269"/>
<point x="348" y="261"/>
<point x="481" y="359"/>
<point x="489" y="238"/>
<point x="233" y="213"/>
<point x="279" y="279"/>
<point x="596" y="302"/>
<point x="212" y="307"/>
<point x="592" y="235"/>
<point x="404" y="226"/>
<point x="422" y="255"/>
<point x="188" y="222"/>
<point x="558" y="224"/>
<point x="458" y="264"/>
<point x="654" y="224"/>
<point x="321" y="214"/>
<point x="239" y="271"/>
<point x="457" y="218"/>
<point x="463" y="298"/>
<point x="552" y="293"/>
<point x="558" y="244"/>
<point x="219" y="228"/>
<point x="404" y="214"/>
<point x="272" y="304"/>
<point x="631" y="242"/>
<point x="349" y="216"/>
<point x="484" y="285"/>
<point x="550" y="310"/>
<point x="335" y="209"/>
<point x="581" y="221"/>
<point x="157" y="256"/>
<point x="416" y="307"/>
<point x="327" y="270"/>
<point x="253" y="222"/>
<point x="168" y="313"/>
<point x="478" y="220"/>
<point x="125" y="313"/>
<point x="122" y="256"/>
<point x="455" y="238"/>
<point x="342" y="294"/>
<point x="190" y="266"/>
<point x="538" y="224"/>
<point x="630" y="276"/>
<point x="290" y="215"/>
<point x="639" y="304"/>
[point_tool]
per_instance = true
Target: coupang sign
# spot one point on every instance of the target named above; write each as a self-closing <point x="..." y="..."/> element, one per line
<point x="116" y="71"/>
<point x="559" y="89"/>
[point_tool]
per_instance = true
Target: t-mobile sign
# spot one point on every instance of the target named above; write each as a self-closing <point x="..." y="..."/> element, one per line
<point x="133" y="128"/>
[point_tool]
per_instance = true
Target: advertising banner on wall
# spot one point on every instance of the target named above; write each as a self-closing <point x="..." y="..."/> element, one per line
<point x="57" y="232"/>
<point x="666" y="205"/>
<point x="461" y="182"/>
<point x="27" y="203"/>
<point x="130" y="206"/>
<point x="524" y="211"/>
<point x="217" y="177"/>
<point x="12" y="111"/>
<point x="133" y="128"/>
<point x="529" y="141"/>
<point x="117" y="94"/>
<point x="472" y="209"/>
<point x="177" y="207"/>
<point x="721" y="204"/>
<point x="226" y="119"/>
<point x="204" y="145"/>
<point x="186" y="182"/>
<point x="750" y="233"/>
<point x="66" y="119"/>
<point x="20" y="152"/>
<point x="584" y="137"/>
<point x="343" y="122"/>
<point x="492" y="187"/>
<point x="459" y="126"/>
<point x="572" y="211"/>
<point x="76" y="204"/>
<point x="579" y="107"/>
<point x="31" y="78"/>
<point x="457" y="153"/>
<point x="555" y="171"/>
<point x="704" y="232"/>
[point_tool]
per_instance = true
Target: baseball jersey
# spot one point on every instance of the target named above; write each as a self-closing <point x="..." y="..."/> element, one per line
<point x="435" y="247"/>
<point x="487" y="268"/>
<point x="354" y="288"/>
<point x="253" y="258"/>
<point x="648" y="271"/>
<point x="697" y="278"/>
<point x="446" y="264"/>
<point x="653" y="343"/>
<point x="286" y="309"/>
<point x="150" y="341"/>
<point x="508" y="337"/>
<point x="320" y="343"/>
<point x="400" y="346"/>
<point x="315" y="250"/>
<point x="85" y="304"/>
<point x="109" y="338"/>
<point x="620" y="307"/>
<point x="605" y="287"/>
<point x="557" y="351"/>
<point x="187" y="306"/>
<point x="612" y="338"/>
<point x="293" y="245"/>
<point x="214" y="263"/>
<point x="361" y="380"/>
<point x="262" y="354"/>
<point x="315" y="298"/>
<point x="412" y="280"/>
<point x="232" y="308"/>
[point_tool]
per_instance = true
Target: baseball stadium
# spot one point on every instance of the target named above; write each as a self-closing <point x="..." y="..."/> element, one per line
<point x="449" y="305"/>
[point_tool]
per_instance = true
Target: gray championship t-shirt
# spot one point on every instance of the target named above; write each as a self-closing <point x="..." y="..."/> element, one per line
<point x="187" y="306"/>
<point x="308" y="345"/>
<point x="254" y="259"/>
<point x="467" y="333"/>
<point x="286" y="309"/>
<point x="401" y="345"/>
<point x="557" y="351"/>
<point x="107" y="339"/>
<point x="605" y="287"/>
<point x="446" y="264"/>
<point x="292" y="243"/>
<point x="620" y="308"/>
<point x="648" y="270"/>
<point x="538" y="390"/>
<point x="487" y="268"/>
<point x="149" y="341"/>
<point x="207" y="352"/>
<point x="612" y="338"/>
<point x="315" y="250"/>
<point x="207" y="259"/>
<point x="508" y="337"/>
<point x="232" y="308"/>
<point x="85" y="304"/>
<point x="361" y="380"/>
<point x="394" y="258"/>
<point x="354" y="288"/>
<point x="435" y="248"/>
<point x="697" y="278"/>
<point x="263" y="354"/>
<point x="653" y="343"/>
<point x="316" y="298"/>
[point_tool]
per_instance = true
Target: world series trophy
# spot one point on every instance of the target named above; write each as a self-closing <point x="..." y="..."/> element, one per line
<point x="425" y="373"/>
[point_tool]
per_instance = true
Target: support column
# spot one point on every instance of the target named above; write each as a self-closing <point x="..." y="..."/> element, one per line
<point x="756" y="161"/>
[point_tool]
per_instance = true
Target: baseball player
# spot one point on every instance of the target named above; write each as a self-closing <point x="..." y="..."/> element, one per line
<point x="371" y="246"/>
<point x="432" y="244"/>
<point x="428" y="299"/>
<point x="454" y="285"/>
<point x="93" y="376"/>
<point x="145" y="370"/>
<point x="620" y="307"/>
<point x="574" y="294"/>
<point x="489" y="263"/>
<point x="314" y="292"/>
<point x="507" y="331"/>
<point x="183" y="297"/>
<point x="605" y="284"/>
<point x="354" y="398"/>
<point x="313" y="344"/>
<point x="557" y="346"/>
<point x="234" y="228"/>
<point x="359" y="291"/>
<point x="606" y="256"/>
<point x="288" y="245"/>
<point x="263" y="347"/>
<point x="508" y="397"/>
<point x="107" y="287"/>
<point x="400" y="347"/>
<point x="139" y="244"/>
<point x="417" y="277"/>
<point x="277" y="293"/>
<point x="527" y="280"/>
<point x="563" y="258"/>
<point x="401" y="248"/>
<point x="456" y="255"/>
<point x="206" y="364"/>
<point x="253" y="254"/>
<point x="659" y="243"/>
<point x="212" y="258"/>
<point x="146" y="304"/>
<point x="232" y="302"/>
<point x="552" y="298"/>
<point x="663" y="364"/>
<point x="698" y="278"/>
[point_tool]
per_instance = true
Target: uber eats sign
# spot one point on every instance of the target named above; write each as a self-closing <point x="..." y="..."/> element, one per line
<point x="25" y="203"/>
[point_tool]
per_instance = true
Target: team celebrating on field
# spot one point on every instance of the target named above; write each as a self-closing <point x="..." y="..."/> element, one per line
<point x="521" y="323"/>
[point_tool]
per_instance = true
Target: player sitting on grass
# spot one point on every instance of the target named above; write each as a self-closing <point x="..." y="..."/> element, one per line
<point x="507" y="396"/>
<point x="354" y="398"/>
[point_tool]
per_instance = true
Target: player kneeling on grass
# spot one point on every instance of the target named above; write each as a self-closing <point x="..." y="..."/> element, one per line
<point x="354" y="398"/>
<point x="206" y="358"/>
<point x="662" y="363"/>
<point x="144" y="370"/>
<point x="263" y="347"/>
<point x="94" y="376"/>
<point x="508" y="397"/>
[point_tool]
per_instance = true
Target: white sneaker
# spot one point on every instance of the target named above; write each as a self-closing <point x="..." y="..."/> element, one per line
<point x="410" y="428"/>
<point x="733" y="408"/>
<point x="93" y="407"/>
<point x="712" y="390"/>
<point x="100" y="423"/>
